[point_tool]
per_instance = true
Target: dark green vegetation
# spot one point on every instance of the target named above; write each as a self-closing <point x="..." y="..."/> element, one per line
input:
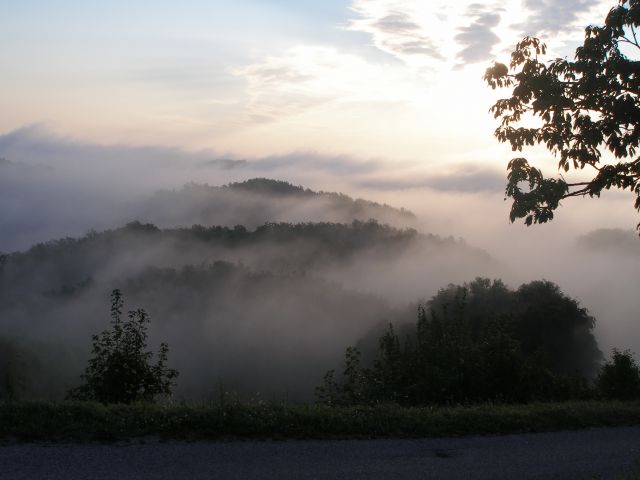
<point x="119" y="370"/>
<point x="264" y="310"/>
<point x="620" y="377"/>
<point x="38" y="421"/>
<point x="587" y="107"/>
<point x="481" y="342"/>
<point x="17" y="368"/>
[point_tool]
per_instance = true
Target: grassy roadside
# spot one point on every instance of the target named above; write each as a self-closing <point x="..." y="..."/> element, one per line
<point x="40" y="421"/>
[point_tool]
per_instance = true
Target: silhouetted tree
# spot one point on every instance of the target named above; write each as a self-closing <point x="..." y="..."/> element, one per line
<point x="557" y="328"/>
<point x="120" y="370"/>
<point x="479" y="342"/>
<point x="586" y="107"/>
<point x="620" y="377"/>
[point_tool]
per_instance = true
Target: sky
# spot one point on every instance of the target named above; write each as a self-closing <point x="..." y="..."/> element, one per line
<point x="382" y="99"/>
<point x="395" y="80"/>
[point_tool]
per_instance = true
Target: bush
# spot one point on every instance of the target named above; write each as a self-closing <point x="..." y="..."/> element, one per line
<point x="120" y="370"/>
<point x="620" y="377"/>
<point x="17" y="365"/>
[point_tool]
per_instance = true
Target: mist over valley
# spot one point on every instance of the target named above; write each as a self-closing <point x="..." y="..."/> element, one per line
<point x="259" y="283"/>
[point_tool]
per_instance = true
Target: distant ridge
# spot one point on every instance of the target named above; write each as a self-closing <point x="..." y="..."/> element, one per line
<point x="302" y="246"/>
<point x="611" y="240"/>
<point x="279" y="187"/>
<point x="270" y="186"/>
<point x="260" y="200"/>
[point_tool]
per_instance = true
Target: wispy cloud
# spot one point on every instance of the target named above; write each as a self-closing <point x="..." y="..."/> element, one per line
<point x="462" y="179"/>
<point x="440" y="34"/>
<point x="336" y="165"/>
<point x="397" y="29"/>
<point x="306" y="77"/>
<point x="550" y="18"/>
<point x="477" y="39"/>
<point x="285" y="85"/>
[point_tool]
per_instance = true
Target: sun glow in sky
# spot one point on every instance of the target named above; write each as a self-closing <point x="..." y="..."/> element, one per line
<point x="395" y="80"/>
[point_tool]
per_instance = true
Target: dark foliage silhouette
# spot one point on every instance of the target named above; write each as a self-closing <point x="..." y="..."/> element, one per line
<point x="478" y="342"/>
<point x="17" y="366"/>
<point x="120" y="369"/>
<point x="587" y="108"/>
<point x="620" y="377"/>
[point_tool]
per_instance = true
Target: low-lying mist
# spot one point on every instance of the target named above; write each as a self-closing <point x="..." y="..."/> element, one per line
<point x="260" y="285"/>
<point x="262" y="310"/>
<point x="52" y="187"/>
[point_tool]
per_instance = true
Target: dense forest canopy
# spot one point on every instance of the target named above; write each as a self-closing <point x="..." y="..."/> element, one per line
<point x="280" y="246"/>
<point x="479" y="341"/>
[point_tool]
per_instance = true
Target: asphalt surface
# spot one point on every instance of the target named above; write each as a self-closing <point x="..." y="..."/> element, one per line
<point x="587" y="454"/>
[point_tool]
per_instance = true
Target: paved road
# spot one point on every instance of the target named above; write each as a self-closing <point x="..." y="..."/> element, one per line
<point x="587" y="454"/>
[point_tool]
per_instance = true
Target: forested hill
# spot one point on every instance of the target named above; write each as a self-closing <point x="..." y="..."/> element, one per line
<point x="266" y="308"/>
<point x="281" y="247"/>
<point x="259" y="200"/>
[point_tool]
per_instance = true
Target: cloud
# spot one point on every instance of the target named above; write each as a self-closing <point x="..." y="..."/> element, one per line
<point x="285" y="85"/>
<point x="478" y="39"/>
<point x="463" y="179"/>
<point x="52" y="187"/>
<point x="305" y="77"/>
<point x="274" y="72"/>
<point x="551" y="18"/>
<point x="431" y="35"/>
<point x="397" y="23"/>
<point x="338" y="164"/>
<point x="396" y="29"/>
<point x="418" y="48"/>
<point x="224" y="164"/>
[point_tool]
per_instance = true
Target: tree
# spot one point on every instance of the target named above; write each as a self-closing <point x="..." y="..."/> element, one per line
<point x="588" y="114"/>
<point x="620" y="377"/>
<point x="120" y="370"/>
<point x="477" y="342"/>
<point x="351" y="390"/>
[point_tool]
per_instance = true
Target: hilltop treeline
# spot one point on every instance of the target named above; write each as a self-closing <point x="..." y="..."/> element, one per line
<point x="276" y="246"/>
<point x="259" y="200"/>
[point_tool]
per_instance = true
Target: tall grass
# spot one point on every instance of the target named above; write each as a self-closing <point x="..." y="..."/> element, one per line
<point x="84" y="421"/>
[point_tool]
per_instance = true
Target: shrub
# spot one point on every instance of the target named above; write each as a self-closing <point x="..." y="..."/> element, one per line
<point x="120" y="369"/>
<point x="620" y="377"/>
<point x="17" y="365"/>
